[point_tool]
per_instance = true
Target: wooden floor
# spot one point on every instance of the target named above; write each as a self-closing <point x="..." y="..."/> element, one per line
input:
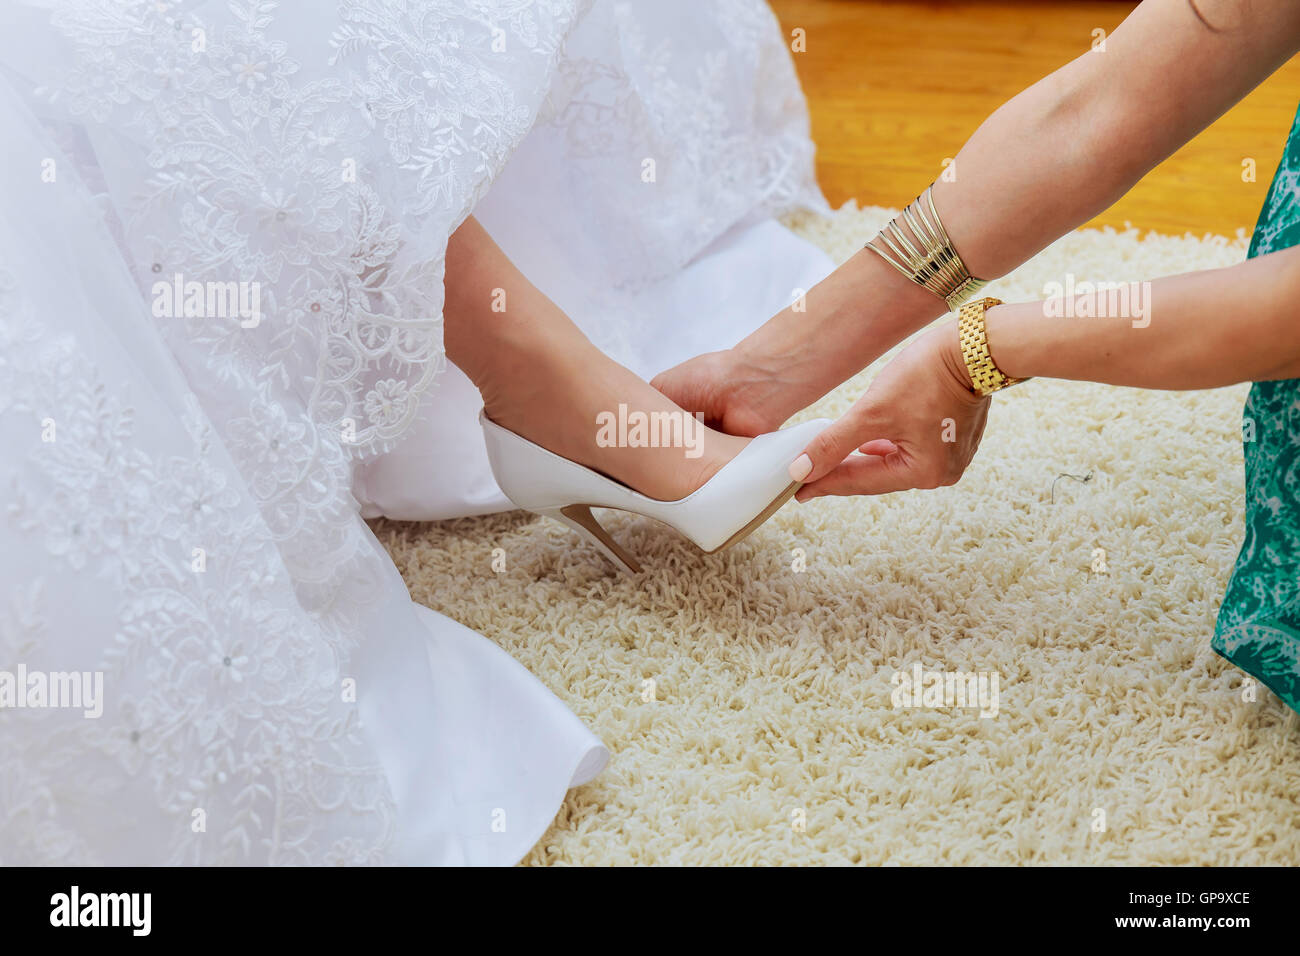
<point x="895" y="87"/>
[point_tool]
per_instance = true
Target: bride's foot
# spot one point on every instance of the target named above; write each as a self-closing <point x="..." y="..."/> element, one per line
<point x="723" y="511"/>
<point x="543" y="380"/>
<point x="557" y="412"/>
<point x="576" y="402"/>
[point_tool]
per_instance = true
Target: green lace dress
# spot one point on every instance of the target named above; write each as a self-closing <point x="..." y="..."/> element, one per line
<point x="1259" y="623"/>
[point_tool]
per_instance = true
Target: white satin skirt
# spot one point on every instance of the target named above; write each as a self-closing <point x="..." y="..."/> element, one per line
<point x="219" y="663"/>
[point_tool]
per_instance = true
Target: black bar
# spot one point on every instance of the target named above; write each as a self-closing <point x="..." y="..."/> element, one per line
<point x="333" y="906"/>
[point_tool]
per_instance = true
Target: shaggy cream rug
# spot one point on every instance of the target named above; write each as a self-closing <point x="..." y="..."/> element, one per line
<point x="770" y="735"/>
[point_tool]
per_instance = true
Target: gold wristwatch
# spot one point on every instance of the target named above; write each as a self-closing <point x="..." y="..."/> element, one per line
<point x="984" y="373"/>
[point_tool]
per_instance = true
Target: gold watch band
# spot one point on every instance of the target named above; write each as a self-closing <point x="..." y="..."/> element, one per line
<point x="984" y="372"/>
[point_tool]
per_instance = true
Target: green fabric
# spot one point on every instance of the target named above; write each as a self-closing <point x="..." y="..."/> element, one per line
<point x="1259" y="623"/>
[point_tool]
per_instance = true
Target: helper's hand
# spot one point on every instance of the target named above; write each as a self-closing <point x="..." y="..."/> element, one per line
<point x="845" y="323"/>
<point x="735" y="393"/>
<point x="918" y="426"/>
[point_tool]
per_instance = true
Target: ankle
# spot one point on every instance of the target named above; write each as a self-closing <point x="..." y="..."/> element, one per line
<point x="519" y="366"/>
<point x="496" y="348"/>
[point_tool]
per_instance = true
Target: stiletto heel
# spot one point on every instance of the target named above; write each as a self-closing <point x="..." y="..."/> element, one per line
<point x="581" y="520"/>
<point x="725" y="509"/>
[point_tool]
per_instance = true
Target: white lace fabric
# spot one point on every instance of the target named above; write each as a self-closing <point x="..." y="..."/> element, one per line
<point x="324" y="152"/>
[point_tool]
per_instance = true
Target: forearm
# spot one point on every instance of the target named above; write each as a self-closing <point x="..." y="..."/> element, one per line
<point x="998" y="213"/>
<point x="843" y="324"/>
<point x="1073" y="159"/>
<point x="1044" y="163"/>
<point x="1074" y="143"/>
<point x="1199" y="330"/>
<point x="1003" y="212"/>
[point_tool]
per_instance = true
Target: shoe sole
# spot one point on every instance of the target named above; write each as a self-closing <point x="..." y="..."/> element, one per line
<point x="767" y="512"/>
<point x="582" y="515"/>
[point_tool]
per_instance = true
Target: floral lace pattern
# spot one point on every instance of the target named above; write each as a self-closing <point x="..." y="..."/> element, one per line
<point x="317" y="155"/>
<point x="255" y="166"/>
<point x="244" y="744"/>
<point x="719" y="155"/>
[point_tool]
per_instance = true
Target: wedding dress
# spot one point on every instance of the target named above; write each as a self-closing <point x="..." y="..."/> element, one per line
<point x="185" y="476"/>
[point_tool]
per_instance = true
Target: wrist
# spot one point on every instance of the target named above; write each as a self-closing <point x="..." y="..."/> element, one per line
<point x="1007" y="337"/>
<point x="947" y="339"/>
<point x="847" y="321"/>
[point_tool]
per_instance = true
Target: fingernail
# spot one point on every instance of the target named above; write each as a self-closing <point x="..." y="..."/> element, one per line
<point x="800" y="468"/>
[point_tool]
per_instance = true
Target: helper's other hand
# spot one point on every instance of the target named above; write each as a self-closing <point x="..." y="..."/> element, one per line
<point x="918" y="426"/>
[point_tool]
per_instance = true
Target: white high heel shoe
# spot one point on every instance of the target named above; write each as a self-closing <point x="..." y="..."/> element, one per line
<point x="741" y="496"/>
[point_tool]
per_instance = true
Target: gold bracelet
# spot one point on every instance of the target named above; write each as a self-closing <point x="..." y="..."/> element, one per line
<point x="984" y="372"/>
<point x="936" y="265"/>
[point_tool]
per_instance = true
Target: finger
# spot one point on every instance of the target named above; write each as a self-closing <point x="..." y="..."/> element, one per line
<point x="836" y="442"/>
<point x="665" y="383"/>
<point x="879" y="447"/>
<point x="686" y="402"/>
<point x="863" y="475"/>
